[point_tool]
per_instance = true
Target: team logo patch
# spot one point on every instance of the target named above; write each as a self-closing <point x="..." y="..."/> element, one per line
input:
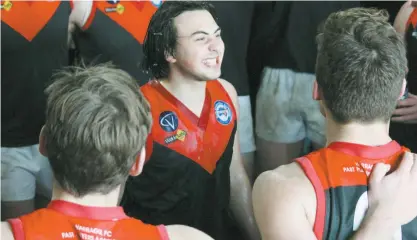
<point x="7" y="5"/>
<point x="179" y="135"/>
<point x="113" y="1"/>
<point x="118" y="9"/>
<point x="168" y="121"/>
<point x="156" y="3"/>
<point x="223" y="112"/>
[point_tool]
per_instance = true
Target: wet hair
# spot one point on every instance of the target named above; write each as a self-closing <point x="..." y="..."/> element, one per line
<point x="361" y="64"/>
<point x="161" y="37"/>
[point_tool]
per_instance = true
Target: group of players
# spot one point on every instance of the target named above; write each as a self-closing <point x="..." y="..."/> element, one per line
<point x="169" y="153"/>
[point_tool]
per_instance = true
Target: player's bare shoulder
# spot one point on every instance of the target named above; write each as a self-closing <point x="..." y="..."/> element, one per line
<point x="228" y="87"/>
<point x="182" y="232"/>
<point x="6" y="231"/>
<point x="285" y="185"/>
<point x="286" y="176"/>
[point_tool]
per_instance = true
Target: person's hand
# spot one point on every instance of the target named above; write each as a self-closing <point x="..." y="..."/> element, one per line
<point x="406" y="111"/>
<point x="394" y="196"/>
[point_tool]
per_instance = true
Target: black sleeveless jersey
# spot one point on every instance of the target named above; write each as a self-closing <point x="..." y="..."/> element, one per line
<point x="34" y="38"/>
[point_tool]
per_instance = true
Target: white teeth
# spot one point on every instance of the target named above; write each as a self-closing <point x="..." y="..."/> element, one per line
<point x="210" y="62"/>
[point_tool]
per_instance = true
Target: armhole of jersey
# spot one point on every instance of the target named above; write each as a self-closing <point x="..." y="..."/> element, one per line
<point x="412" y="19"/>
<point x="149" y="147"/>
<point x="228" y="98"/>
<point x="91" y="13"/>
<point x="163" y="232"/>
<point x="321" y="198"/>
<point x="91" y="16"/>
<point x="17" y="228"/>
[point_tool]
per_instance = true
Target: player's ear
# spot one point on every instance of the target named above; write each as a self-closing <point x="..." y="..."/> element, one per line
<point x="316" y="91"/>
<point x="403" y="87"/>
<point x="42" y="143"/>
<point x="138" y="165"/>
<point x="170" y="57"/>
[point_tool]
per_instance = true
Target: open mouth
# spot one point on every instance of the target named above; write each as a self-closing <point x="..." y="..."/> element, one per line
<point x="212" y="62"/>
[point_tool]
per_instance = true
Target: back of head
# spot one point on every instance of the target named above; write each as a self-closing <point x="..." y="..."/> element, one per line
<point x="161" y="37"/>
<point x="96" y="125"/>
<point x="361" y="65"/>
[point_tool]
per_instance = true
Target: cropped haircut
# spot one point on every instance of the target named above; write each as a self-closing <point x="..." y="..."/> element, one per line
<point x="161" y="37"/>
<point x="361" y="64"/>
<point x="97" y="121"/>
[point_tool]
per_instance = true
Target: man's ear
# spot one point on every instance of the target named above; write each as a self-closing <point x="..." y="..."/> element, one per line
<point x="316" y="91"/>
<point x="403" y="87"/>
<point x="42" y="142"/>
<point x="170" y="57"/>
<point x="138" y="165"/>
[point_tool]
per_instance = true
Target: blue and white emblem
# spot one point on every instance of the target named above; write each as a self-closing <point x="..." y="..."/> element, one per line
<point x="223" y="112"/>
<point x="168" y="121"/>
<point x="113" y="1"/>
<point x="157" y="3"/>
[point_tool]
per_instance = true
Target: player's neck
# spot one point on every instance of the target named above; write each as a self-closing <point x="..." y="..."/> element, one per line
<point x="373" y="134"/>
<point x="183" y="83"/>
<point x="90" y="200"/>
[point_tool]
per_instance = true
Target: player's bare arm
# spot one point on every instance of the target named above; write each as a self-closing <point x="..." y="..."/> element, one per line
<point x="240" y="192"/>
<point x="402" y="18"/>
<point x="284" y="204"/>
<point x="6" y="231"/>
<point x="182" y="232"/>
<point x="79" y="15"/>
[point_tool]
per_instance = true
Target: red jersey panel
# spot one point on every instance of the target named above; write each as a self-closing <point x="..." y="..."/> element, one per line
<point x="203" y="139"/>
<point x="65" y="220"/>
<point x="339" y="175"/>
<point x="37" y="13"/>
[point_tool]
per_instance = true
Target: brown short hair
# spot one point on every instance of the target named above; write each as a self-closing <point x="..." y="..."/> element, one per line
<point x="97" y="121"/>
<point x="361" y="64"/>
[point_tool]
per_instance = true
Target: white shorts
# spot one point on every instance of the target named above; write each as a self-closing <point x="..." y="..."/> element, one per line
<point x="24" y="173"/>
<point x="245" y="125"/>
<point x="285" y="109"/>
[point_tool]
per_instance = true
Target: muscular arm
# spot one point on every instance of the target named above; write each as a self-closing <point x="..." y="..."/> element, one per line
<point x="240" y="188"/>
<point x="402" y="18"/>
<point x="181" y="232"/>
<point x="79" y="15"/>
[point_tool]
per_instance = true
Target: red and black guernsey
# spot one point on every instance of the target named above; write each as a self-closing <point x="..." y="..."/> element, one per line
<point x="339" y="175"/>
<point x="34" y="38"/>
<point x="114" y="32"/>
<point x="186" y="177"/>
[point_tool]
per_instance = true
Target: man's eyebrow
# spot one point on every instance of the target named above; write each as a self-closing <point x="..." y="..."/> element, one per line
<point x="205" y="33"/>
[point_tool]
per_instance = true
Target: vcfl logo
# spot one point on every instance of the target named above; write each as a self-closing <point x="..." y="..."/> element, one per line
<point x="168" y="121"/>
